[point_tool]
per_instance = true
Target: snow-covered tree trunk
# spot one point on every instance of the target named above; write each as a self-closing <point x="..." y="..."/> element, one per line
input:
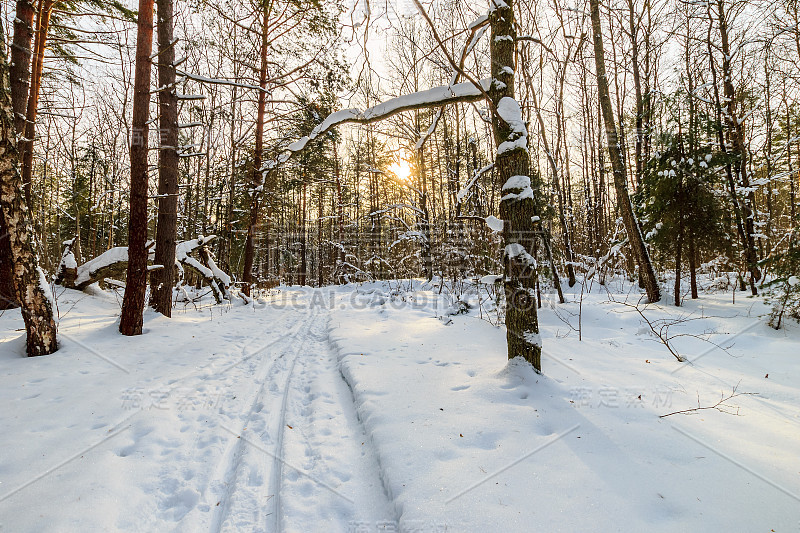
<point x="29" y="280"/>
<point x="136" y="280"/>
<point x="516" y="205"/>
<point x="162" y="280"/>
<point x="635" y="238"/>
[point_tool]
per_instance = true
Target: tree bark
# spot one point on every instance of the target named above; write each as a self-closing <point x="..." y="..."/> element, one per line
<point x="26" y="146"/>
<point x="8" y="297"/>
<point x="162" y="280"/>
<point x="136" y="279"/>
<point x="258" y="173"/>
<point x="618" y="166"/>
<point x="692" y="265"/>
<point x="21" y="62"/>
<point x="28" y="279"/>
<point x="736" y="127"/>
<point x="517" y="204"/>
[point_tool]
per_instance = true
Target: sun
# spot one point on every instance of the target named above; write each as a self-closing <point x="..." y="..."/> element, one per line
<point x="401" y="169"/>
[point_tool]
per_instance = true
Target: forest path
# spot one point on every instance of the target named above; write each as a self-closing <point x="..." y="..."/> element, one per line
<point x="297" y="457"/>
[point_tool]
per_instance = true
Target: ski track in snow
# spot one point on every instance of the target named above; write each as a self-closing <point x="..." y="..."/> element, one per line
<point x="290" y="452"/>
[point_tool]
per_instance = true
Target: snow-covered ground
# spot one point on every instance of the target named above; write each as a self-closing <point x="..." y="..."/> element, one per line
<point x="371" y="408"/>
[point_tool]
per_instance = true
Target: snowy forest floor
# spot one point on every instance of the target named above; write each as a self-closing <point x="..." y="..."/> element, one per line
<point x="373" y="408"/>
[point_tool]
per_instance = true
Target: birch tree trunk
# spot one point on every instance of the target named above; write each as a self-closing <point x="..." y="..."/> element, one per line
<point x="635" y="238"/>
<point x="163" y="279"/>
<point x="28" y="279"/>
<point x="136" y="279"/>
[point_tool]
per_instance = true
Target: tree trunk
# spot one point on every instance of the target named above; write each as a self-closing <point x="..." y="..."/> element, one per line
<point x="320" y="227"/>
<point x="693" y="265"/>
<point x="21" y="62"/>
<point x="28" y="279"/>
<point x="258" y="174"/>
<point x="40" y="41"/>
<point x="340" y="257"/>
<point x="637" y="83"/>
<point x="136" y="280"/>
<point x="618" y="166"/>
<point x="162" y="280"/>
<point x="678" y="260"/>
<point x="517" y="204"/>
<point x="736" y="127"/>
<point x="303" y="248"/>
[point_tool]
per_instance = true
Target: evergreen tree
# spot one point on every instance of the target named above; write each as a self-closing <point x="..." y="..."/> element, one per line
<point x="681" y="209"/>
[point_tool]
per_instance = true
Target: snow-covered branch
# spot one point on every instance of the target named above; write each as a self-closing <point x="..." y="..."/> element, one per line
<point x="438" y="96"/>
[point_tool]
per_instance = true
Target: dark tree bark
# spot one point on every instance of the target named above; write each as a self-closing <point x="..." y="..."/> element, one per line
<point x="692" y="265"/>
<point x="8" y="298"/>
<point x="679" y="259"/>
<point x="162" y="280"/>
<point x="45" y="9"/>
<point x="635" y="238"/>
<point x="136" y="279"/>
<point x="37" y="313"/>
<point x="517" y="205"/>
<point x="637" y="83"/>
<point x="258" y="173"/>
<point x="303" y="271"/>
<point x="21" y="61"/>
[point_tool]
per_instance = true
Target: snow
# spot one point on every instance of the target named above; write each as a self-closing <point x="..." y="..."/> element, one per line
<point x="354" y="407"/>
<point x="68" y="260"/>
<point x="510" y="112"/>
<point x="517" y="251"/>
<point x="494" y="223"/>
<point x="107" y="258"/>
<point x="517" y="182"/>
<point x="526" y="193"/>
<point x="463" y="192"/>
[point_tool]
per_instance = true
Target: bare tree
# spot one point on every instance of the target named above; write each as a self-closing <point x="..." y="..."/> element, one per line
<point x="635" y="238"/>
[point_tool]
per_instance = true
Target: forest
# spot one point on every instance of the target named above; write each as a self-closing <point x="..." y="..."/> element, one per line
<point x="657" y="138"/>
<point x="530" y="163"/>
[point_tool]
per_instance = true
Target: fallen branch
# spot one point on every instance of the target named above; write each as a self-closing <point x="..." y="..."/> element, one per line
<point x="719" y="406"/>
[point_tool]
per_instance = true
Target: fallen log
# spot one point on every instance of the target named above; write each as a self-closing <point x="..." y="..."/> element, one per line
<point x="113" y="263"/>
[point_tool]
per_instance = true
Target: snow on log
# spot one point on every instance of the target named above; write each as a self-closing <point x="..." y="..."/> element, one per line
<point x="68" y="266"/>
<point x="111" y="263"/>
<point x="114" y="263"/>
<point x="516" y="251"/>
<point x="205" y="266"/>
<point x="517" y="183"/>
